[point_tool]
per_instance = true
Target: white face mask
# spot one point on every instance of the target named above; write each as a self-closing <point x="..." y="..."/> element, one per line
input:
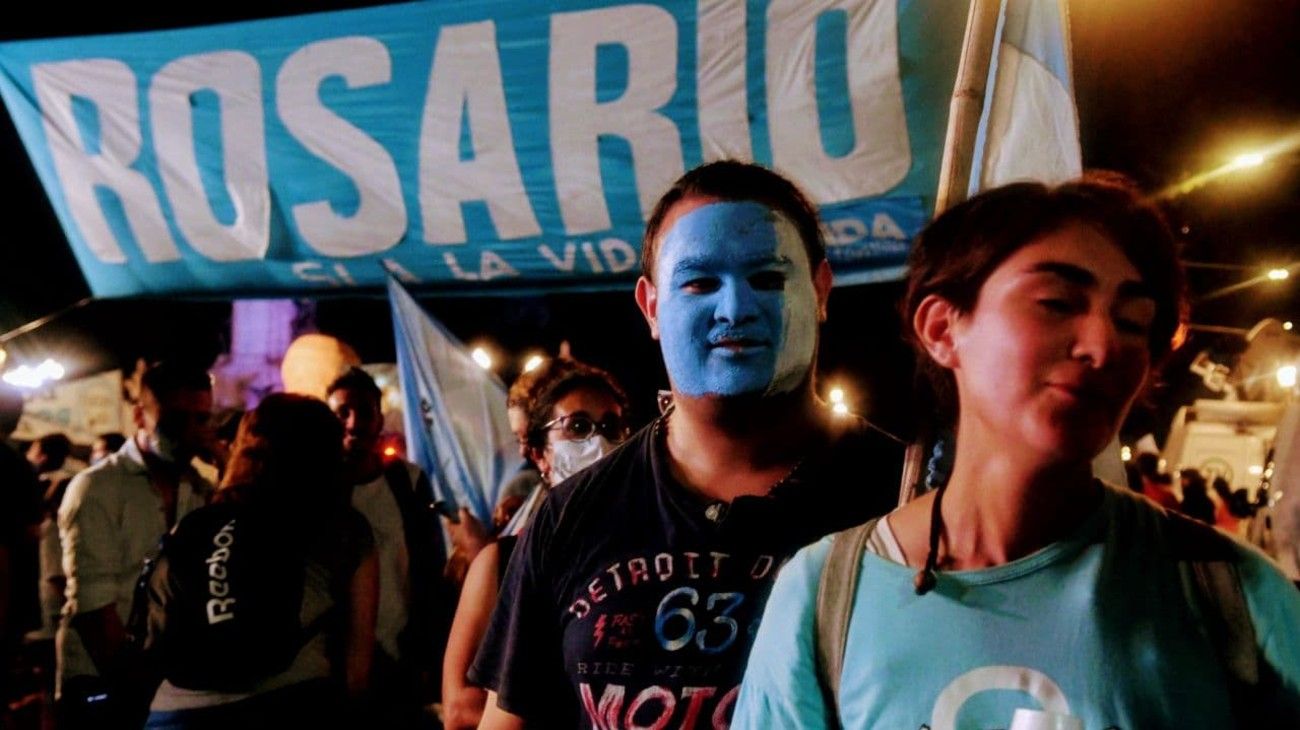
<point x="567" y="458"/>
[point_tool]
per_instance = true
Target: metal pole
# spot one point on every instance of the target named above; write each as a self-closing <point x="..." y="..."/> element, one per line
<point x="1217" y="266"/>
<point x="1218" y="329"/>
<point x="1231" y="288"/>
<point x="38" y="323"/>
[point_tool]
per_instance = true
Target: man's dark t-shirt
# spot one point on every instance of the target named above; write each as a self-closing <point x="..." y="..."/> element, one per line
<point x="630" y="602"/>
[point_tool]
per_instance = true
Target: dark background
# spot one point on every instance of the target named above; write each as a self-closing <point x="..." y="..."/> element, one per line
<point x="1165" y="89"/>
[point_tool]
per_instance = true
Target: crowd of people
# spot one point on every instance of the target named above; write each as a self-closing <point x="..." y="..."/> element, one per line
<point x="742" y="560"/>
<point x="1213" y="502"/>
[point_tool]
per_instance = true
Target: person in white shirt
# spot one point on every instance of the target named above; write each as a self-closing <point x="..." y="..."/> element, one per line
<point x="110" y="521"/>
<point x="415" y="603"/>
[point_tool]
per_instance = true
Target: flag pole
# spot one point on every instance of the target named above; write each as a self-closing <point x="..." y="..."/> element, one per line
<point x="967" y="103"/>
<point x="955" y="168"/>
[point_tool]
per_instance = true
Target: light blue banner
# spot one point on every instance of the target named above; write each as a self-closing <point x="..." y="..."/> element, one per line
<point x="473" y="145"/>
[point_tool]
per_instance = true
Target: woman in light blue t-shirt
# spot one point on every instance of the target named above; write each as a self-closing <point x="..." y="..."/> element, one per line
<point x="1023" y="592"/>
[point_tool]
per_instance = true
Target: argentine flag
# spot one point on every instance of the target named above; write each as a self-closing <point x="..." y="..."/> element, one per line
<point x="455" y="411"/>
<point x="1029" y="129"/>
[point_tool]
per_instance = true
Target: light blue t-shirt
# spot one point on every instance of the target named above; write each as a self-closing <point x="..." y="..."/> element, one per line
<point x="1099" y="627"/>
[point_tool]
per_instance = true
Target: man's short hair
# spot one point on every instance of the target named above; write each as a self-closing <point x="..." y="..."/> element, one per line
<point x="165" y="379"/>
<point x="359" y="381"/>
<point x="735" y="181"/>
<point x="55" y="447"/>
<point x="113" y="440"/>
<point x="1148" y="464"/>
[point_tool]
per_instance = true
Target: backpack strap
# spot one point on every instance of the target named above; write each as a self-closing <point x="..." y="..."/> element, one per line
<point x="839" y="585"/>
<point x="1228" y="619"/>
<point x="415" y="503"/>
<point x="420" y="640"/>
<point x="399" y="482"/>
<point x="835" y="593"/>
<point x="1207" y="560"/>
<point x="137" y="622"/>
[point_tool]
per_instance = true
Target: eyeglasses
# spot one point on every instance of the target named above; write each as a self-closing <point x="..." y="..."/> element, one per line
<point x="580" y="427"/>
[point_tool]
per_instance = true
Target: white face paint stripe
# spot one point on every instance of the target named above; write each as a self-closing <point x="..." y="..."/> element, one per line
<point x="799" y="313"/>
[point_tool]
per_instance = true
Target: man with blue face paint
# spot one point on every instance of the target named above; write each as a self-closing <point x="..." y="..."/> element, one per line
<point x="633" y="598"/>
<point x="739" y="307"/>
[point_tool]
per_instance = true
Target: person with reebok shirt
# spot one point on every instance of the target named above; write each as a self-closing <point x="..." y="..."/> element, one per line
<point x="1022" y="591"/>
<point x="634" y="593"/>
<point x="259" y="611"/>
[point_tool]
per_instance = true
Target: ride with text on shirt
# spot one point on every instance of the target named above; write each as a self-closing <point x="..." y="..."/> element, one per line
<point x="663" y="636"/>
<point x="629" y="603"/>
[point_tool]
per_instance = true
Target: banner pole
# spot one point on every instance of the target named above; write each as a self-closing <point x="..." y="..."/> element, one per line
<point x="967" y="103"/>
<point x="955" y="168"/>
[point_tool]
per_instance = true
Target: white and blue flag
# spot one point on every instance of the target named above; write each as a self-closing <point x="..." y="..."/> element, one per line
<point x="1029" y="129"/>
<point x="455" y="411"/>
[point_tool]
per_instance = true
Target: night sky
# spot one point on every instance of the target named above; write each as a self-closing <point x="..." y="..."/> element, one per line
<point x="1165" y="89"/>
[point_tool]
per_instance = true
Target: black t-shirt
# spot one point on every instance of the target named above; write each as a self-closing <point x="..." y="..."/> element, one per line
<point x="505" y="548"/>
<point x="631" y="602"/>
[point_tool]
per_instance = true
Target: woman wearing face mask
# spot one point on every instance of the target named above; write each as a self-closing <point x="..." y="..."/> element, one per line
<point x="1024" y="592"/>
<point x="574" y="419"/>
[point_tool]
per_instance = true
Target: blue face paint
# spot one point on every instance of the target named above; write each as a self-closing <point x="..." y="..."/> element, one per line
<point x="737" y="311"/>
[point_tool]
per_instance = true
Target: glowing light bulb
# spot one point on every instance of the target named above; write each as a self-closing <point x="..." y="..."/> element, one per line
<point x="1250" y="159"/>
<point x="1286" y="376"/>
<point x="27" y="376"/>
